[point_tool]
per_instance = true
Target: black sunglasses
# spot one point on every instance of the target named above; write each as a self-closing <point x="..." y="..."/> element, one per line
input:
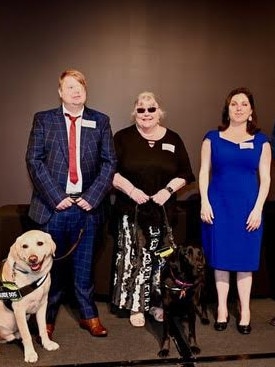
<point x="149" y="109"/>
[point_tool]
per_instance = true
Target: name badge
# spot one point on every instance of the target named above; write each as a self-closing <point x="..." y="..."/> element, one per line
<point x="248" y="145"/>
<point x="88" y="123"/>
<point x="169" y="147"/>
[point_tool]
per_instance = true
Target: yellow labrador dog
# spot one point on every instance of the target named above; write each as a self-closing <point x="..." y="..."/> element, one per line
<point x="24" y="283"/>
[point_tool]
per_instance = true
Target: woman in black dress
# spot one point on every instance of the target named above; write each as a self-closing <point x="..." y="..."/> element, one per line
<point x="152" y="166"/>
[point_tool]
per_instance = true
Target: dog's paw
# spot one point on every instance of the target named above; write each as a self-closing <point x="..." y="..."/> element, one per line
<point x="163" y="353"/>
<point x="31" y="356"/>
<point x="50" y="345"/>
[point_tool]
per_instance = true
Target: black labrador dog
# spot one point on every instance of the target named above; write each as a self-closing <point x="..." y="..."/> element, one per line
<point x="183" y="294"/>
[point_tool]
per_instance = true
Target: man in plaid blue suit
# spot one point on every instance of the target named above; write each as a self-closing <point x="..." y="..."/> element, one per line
<point x="62" y="206"/>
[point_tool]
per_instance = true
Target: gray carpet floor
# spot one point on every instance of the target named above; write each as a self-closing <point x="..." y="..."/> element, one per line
<point x="129" y="344"/>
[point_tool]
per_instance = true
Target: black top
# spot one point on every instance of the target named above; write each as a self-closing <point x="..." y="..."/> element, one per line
<point x="149" y="168"/>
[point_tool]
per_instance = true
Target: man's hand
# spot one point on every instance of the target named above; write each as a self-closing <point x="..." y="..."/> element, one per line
<point x="68" y="202"/>
<point x="65" y="203"/>
<point x="83" y="204"/>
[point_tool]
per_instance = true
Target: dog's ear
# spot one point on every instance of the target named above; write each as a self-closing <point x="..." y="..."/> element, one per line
<point x="15" y="249"/>
<point x="52" y="244"/>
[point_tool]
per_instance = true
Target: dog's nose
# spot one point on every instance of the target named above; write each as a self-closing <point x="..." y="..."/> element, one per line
<point x="33" y="259"/>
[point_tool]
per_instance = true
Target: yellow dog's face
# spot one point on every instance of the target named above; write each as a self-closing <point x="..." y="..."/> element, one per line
<point x="33" y="247"/>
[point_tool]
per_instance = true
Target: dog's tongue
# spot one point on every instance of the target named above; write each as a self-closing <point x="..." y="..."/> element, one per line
<point x="36" y="267"/>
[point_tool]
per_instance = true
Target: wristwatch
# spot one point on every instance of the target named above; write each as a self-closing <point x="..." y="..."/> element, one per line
<point x="169" y="189"/>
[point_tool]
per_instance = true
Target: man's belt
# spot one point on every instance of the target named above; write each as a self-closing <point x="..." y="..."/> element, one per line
<point x="75" y="195"/>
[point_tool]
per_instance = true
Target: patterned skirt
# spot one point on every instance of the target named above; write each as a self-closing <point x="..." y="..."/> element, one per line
<point x="137" y="268"/>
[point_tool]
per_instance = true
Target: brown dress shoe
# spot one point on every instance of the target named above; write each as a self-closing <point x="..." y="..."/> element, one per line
<point x="94" y="326"/>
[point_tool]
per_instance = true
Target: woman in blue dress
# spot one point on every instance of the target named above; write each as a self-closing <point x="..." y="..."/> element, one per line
<point x="234" y="181"/>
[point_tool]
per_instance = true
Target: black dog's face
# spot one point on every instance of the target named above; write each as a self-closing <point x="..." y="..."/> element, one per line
<point x="196" y="259"/>
<point x="187" y="264"/>
<point x="180" y="266"/>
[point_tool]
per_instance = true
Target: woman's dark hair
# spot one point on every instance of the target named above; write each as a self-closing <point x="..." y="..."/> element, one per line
<point x="251" y="126"/>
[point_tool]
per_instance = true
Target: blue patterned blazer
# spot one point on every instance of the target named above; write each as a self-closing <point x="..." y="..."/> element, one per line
<point x="47" y="161"/>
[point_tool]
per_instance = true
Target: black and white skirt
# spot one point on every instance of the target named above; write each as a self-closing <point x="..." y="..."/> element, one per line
<point x="137" y="268"/>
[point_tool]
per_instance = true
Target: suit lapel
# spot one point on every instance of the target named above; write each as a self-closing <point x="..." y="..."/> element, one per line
<point x="61" y="131"/>
<point x="85" y="132"/>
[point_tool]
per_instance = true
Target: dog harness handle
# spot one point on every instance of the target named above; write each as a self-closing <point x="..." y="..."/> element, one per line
<point x="10" y="291"/>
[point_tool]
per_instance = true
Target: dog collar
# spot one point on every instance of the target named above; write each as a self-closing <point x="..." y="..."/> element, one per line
<point x="182" y="291"/>
<point x="183" y="285"/>
<point x="173" y="289"/>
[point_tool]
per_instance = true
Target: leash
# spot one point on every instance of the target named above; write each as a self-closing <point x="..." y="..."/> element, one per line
<point x="74" y="196"/>
<point x="163" y="251"/>
<point x="169" y="229"/>
<point x="73" y="246"/>
<point x="167" y="250"/>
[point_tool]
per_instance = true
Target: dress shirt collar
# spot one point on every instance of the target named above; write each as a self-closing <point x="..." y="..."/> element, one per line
<point x="72" y="114"/>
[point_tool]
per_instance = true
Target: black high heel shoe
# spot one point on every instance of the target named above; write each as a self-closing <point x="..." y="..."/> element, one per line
<point x="244" y="329"/>
<point x="221" y="326"/>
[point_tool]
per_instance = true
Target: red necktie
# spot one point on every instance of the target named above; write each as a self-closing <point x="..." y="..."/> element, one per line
<point x="72" y="149"/>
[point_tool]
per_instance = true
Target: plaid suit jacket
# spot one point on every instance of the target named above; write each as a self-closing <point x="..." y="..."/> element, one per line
<point x="47" y="161"/>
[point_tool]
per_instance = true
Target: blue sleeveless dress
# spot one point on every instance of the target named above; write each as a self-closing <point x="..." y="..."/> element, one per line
<point x="232" y="192"/>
